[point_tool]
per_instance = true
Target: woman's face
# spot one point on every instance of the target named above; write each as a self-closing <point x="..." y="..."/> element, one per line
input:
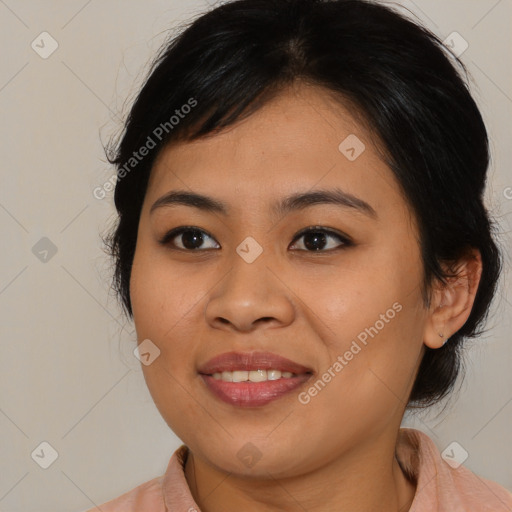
<point x="350" y="314"/>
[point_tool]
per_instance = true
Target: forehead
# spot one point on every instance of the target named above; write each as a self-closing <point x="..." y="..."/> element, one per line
<point x="300" y="139"/>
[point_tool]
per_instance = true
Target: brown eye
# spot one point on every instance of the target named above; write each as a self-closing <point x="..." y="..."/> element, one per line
<point x="317" y="239"/>
<point x="192" y="239"/>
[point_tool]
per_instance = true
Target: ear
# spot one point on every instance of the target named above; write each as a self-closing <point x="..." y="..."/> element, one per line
<point x="451" y="303"/>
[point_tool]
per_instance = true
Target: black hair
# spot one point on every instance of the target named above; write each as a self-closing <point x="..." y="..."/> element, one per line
<point x="230" y="61"/>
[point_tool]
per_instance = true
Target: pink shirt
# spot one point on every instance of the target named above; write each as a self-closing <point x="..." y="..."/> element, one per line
<point x="439" y="486"/>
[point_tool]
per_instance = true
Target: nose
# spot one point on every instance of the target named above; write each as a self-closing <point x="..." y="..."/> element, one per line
<point x="250" y="296"/>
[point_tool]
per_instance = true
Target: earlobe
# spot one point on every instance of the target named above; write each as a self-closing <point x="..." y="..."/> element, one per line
<point x="452" y="302"/>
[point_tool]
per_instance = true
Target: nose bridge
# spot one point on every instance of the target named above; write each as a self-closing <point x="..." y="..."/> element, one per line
<point x="249" y="262"/>
<point x="250" y="291"/>
<point x="249" y="274"/>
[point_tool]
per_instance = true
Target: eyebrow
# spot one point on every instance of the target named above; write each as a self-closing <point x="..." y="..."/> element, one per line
<point x="293" y="202"/>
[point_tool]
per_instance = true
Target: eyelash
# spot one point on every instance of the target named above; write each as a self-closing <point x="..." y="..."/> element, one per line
<point x="173" y="233"/>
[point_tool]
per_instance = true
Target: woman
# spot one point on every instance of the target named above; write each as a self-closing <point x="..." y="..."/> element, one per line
<point x="303" y="247"/>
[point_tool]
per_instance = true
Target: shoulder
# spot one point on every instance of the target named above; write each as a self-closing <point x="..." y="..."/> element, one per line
<point x="147" y="497"/>
<point x="167" y="492"/>
<point x="445" y="485"/>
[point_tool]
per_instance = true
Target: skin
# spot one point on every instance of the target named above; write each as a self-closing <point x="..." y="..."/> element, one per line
<point x="336" y="452"/>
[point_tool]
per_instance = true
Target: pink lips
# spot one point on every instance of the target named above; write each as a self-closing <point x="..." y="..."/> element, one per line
<point x="231" y="361"/>
<point x="252" y="394"/>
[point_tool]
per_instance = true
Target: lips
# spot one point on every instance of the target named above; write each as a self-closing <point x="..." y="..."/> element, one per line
<point x="232" y="361"/>
<point x="252" y="394"/>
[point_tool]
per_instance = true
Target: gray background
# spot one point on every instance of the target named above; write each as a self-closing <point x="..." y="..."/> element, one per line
<point x="67" y="372"/>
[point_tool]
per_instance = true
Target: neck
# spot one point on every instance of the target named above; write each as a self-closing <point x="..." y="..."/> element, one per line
<point x="366" y="479"/>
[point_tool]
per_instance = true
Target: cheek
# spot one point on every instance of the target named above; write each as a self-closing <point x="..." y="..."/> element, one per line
<point x="163" y="306"/>
<point x="365" y="380"/>
<point x="371" y="315"/>
<point x="162" y="295"/>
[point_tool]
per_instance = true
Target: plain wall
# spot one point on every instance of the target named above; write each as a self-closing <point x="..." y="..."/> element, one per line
<point x="67" y="372"/>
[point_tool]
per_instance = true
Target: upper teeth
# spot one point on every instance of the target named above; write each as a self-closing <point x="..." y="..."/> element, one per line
<point x="252" y="376"/>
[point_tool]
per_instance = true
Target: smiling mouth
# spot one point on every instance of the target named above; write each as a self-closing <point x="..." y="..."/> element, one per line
<point x="252" y="379"/>
<point x="245" y="393"/>
<point x="253" y="375"/>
